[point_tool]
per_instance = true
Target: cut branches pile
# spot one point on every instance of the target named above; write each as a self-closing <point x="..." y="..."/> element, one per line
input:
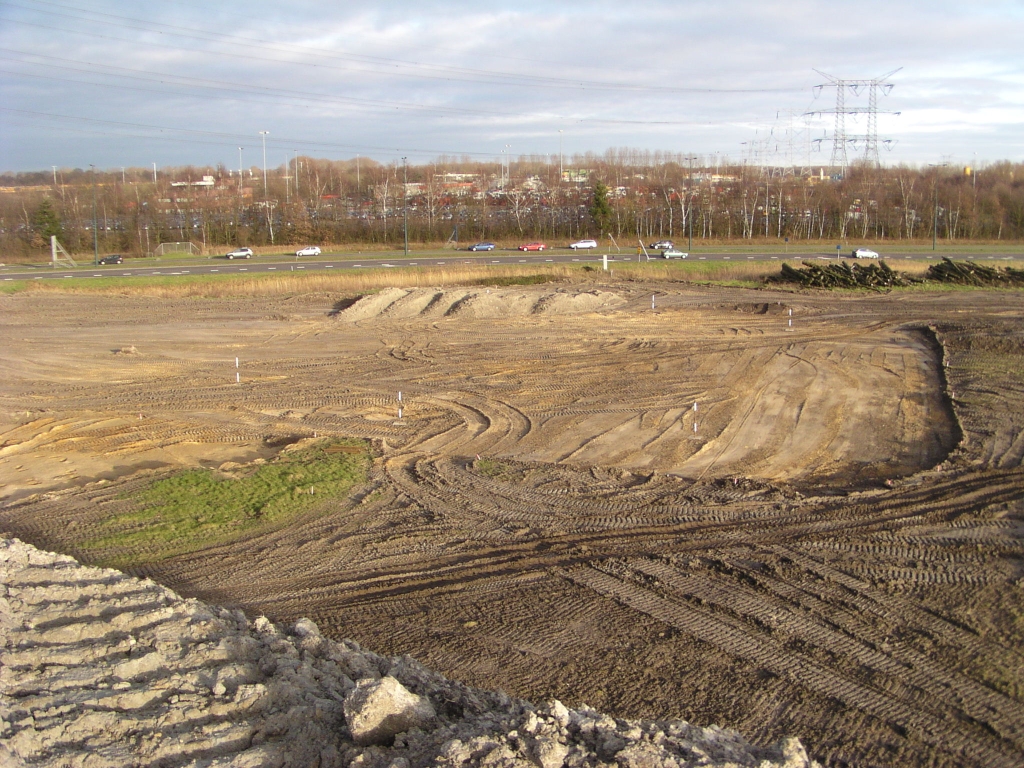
<point x="842" y="275"/>
<point x="968" y="273"/>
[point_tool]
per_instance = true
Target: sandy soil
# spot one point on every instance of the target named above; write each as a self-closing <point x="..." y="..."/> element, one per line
<point x="829" y="545"/>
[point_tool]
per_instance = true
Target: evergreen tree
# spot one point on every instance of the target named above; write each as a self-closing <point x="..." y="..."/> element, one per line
<point x="600" y="208"/>
<point x="46" y="221"/>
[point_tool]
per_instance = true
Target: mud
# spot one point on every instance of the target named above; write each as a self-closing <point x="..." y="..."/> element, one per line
<point x="828" y="546"/>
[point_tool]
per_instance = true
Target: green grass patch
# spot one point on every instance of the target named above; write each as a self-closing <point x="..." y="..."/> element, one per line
<point x="508" y="280"/>
<point x="491" y="468"/>
<point x="199" y="508"/>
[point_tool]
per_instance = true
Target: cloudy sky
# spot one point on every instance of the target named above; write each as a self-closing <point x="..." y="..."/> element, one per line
<point x="114" y="83"/>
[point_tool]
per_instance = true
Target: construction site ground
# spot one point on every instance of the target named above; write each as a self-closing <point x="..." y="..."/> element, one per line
<point x="781" y="512"/>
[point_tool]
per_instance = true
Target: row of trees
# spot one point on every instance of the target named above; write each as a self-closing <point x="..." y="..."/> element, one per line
<point x="623" y="193"/>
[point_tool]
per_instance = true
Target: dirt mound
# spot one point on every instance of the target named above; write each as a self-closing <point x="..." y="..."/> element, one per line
<point x="102" y="669"/>
<point x="481" y="303"/>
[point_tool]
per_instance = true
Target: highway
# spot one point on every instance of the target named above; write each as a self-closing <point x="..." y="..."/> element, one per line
<point x="345" y="261"/>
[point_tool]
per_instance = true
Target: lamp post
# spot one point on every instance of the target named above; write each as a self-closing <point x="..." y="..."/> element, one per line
<point x="559" y="155"/>
<point x="935" y="205"/>
<point x="405" y="198"/>
<point x="689" y="207"/>
<point x="240" y="172"/>
<point x="263" y="134"/>
<point x="154" y="173"/>
<point x="95" y="234"/>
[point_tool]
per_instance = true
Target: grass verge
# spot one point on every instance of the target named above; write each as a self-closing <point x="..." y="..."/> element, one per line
<point x="199" y="508"/>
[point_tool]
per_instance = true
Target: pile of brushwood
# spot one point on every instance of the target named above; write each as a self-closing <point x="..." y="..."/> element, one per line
<point x="969" y="273"/>
<point x="842" y="275"/>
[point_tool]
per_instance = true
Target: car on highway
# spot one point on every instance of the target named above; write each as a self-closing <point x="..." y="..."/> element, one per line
<point x="583" y="244"/>
<point x="673" y="253"/>
<point x="240" y="253"/>
<point x="863" y="253"/>
<point x="481" y="247"/>
<point x="309" y="250"/>
<point x="114" y="258"/>
<point x="662" y="245"/>
<point x="532" y="247"/>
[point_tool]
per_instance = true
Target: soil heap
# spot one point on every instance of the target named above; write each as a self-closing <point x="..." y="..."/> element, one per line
<point x="102" y="669"/>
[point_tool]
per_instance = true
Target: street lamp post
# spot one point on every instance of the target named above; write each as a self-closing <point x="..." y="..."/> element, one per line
<point x="263" y="134"/>
<point x="405" y="198"/>
<point x="935" y="205"/>
<point x="689" y="208"/>
<point x="559" y="155"/>
<point x="95" y="234"/>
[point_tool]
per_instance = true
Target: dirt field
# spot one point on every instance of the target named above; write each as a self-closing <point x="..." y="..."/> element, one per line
<point x="785" y="513"/>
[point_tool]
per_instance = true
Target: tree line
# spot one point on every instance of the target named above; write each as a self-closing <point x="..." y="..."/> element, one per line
<point x="625" y="194"/>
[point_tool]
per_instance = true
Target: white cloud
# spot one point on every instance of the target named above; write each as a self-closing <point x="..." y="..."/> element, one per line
<point x="338" y="80"/>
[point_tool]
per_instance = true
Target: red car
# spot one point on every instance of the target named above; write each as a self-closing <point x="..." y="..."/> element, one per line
<point x="532" y="247"/>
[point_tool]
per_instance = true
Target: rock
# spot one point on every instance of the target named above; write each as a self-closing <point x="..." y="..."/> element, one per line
<point x="378" y="710"/>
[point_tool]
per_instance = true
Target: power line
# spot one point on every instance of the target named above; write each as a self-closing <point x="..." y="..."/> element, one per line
<point x="410" y="69"/>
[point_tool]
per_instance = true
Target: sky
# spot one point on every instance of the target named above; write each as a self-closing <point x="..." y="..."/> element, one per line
<point x="115" y="84"/>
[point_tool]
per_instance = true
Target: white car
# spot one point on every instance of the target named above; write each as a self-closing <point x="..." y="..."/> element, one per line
<point x="672" y="253"/>
<point x="240" y="253"/>
<point x="309" y="250"/>
<point x="583" y="244"/>
<point x="864" y="253"/>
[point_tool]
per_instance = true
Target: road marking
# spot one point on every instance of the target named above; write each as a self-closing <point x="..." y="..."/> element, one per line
<point x="523" y="261"/>
<point x="548" y="259"/>
<point x="215" y="270"/>
<point x="300" y="267"/>
<point x="495" y="261"/>
<point x="328" y="266"/>
<point x="750" y="257"/>
<point x="271" y="269"/>
<point x="575" y="259"/>
<point x="414" y="263"/>
<point x="243" y="269"/>
<point x="702" y="257"/>
<point x="775" y="257"/>
<point x="97" y="275"/>
<point x="727" y="257"/>
<point x="442" y="262"/>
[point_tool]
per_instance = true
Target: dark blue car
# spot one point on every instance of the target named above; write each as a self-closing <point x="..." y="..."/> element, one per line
<point x="482" y="247"/>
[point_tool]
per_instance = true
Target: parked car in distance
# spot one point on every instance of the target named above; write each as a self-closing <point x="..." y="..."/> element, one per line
<point x="672" y="253"/>
<point x="309" y="250"/>
<point x="114" y="258"/>
<point x="583" y="244"/>
<point x="662" y="245"/>
<point x="240" y="253"/>
<point x="863" y="253"/>
<point x="532" y="247"/>
<point x="482" y="247"/>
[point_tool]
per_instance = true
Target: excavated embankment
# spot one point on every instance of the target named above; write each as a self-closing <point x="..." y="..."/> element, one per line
<point x="102" y="669"/>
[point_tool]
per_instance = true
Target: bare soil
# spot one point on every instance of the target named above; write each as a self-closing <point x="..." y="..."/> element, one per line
<point x="828" y="545"/>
